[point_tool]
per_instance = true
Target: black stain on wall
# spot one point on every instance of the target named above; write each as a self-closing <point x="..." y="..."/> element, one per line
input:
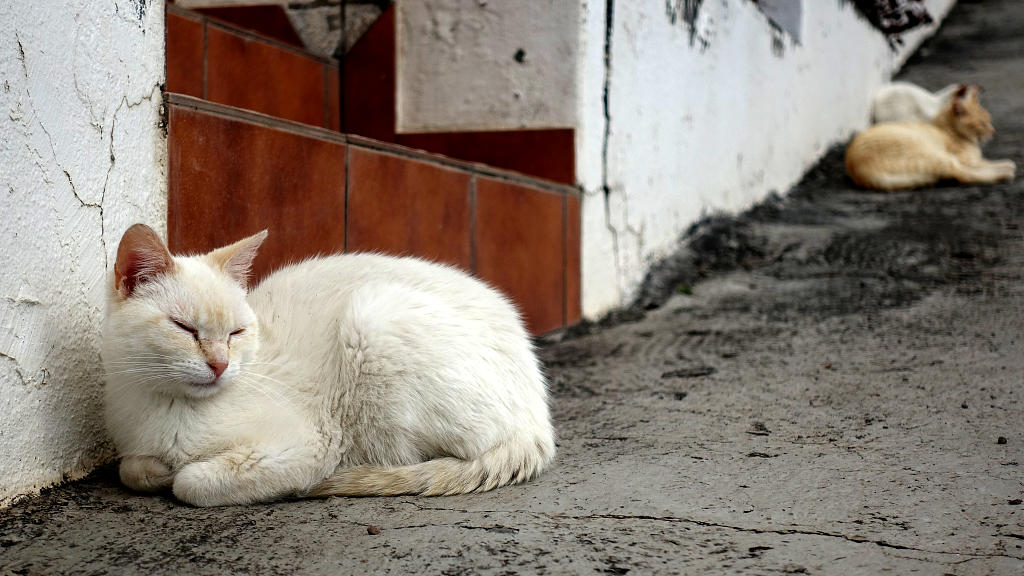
<point x="133" y="9"/>
<point x="138" y="9"/>
<point x="686" y="11"/>
<point x="778" y="41"/>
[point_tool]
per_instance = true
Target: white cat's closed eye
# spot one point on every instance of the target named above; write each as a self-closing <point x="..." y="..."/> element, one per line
<point x="186" y="328"/>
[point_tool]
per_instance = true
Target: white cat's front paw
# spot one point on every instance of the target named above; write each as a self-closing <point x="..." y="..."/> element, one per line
<point x="145" y="473"/>
<point x="201" y="484"/>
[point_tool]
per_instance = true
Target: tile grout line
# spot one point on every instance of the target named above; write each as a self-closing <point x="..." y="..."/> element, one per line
<point x="206" y="66"/>
<point x="348" y="168"/>
<point x="327" y="96"/>
<point x="169" y="139"/>
<point x="565" y="261"/>
<point x="472" y="223"/>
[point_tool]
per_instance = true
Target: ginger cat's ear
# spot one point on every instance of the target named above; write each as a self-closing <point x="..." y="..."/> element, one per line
<point x="961" y="94"/>
<point x="141" y="257"/>
<point x="235" y="260"/>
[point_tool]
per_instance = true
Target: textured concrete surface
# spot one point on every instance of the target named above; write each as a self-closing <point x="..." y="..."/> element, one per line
<point x="833" y="386"/>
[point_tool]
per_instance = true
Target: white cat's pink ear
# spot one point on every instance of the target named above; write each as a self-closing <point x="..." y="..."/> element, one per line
<point x="235" y="260"/>
<point x="141" y="257"/>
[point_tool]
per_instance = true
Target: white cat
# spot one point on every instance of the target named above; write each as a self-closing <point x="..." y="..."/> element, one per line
<point x="353" y="374"/>
<point x="906" y="102"/>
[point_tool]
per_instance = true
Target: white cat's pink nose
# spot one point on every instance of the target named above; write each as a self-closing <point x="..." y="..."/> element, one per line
<point x="218" y="368"/>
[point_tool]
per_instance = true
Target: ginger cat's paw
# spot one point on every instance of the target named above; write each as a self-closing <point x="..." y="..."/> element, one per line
<point x="145" y="473"/>
<point x="1007" y="169"/>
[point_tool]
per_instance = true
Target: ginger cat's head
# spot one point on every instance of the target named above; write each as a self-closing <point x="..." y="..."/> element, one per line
<point x="965" y="116"/>
<point x="179" y="325"/>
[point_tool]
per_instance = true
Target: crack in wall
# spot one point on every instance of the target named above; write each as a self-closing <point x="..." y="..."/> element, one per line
<point x="618" y="233"/>
<point x="777" y="531"/>
<point x="17" y="367"/>
<point x="96" y="124"/>
<point x="124" y="103"/>
<point x="53" y="151"/>
<point x="609" y="25"/>
<point x="44" y="374"/>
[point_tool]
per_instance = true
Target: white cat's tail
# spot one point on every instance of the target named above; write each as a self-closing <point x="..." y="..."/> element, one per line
<point x="506" y="463"/>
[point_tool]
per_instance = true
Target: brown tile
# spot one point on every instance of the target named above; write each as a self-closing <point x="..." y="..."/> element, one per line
<point x="269" y="21"/>
<point x="333" y="98"/>
<point x="228" y="179"/>
<point x="573" y="312"/>
<point x="407" y="207"/>
<point x="184" y="55"/>
<point x="548" y="154"/>
<point x="249" y="73"/>
<point x="369" y="82"/>
<point x="518" y="247"/>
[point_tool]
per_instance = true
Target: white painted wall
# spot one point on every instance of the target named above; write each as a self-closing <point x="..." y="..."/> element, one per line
<point x="82" y="157"/>
<point x="712" y="124"/>
<point x="457" y="68"/>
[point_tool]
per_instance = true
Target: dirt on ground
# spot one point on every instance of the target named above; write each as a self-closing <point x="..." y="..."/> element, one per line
<point x="830" y="383"/>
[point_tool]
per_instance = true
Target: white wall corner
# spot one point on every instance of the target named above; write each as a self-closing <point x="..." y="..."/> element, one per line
<point x="85" y="156"/>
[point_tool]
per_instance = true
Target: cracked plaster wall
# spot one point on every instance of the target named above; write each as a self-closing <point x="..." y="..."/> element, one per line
<point x="82" y="156"/>
<point x="680" y="120"/>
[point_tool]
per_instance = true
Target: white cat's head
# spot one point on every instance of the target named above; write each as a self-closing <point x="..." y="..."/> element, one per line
<point x="179" y="325"/>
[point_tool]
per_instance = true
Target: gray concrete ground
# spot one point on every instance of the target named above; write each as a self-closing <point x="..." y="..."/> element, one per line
<point x="828" y="384"/>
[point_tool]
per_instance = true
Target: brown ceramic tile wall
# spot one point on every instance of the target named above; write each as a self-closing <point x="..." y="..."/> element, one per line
<point x="213" y="60"/>
<point x="518" y="247"/>
<point x="228" y="179"/>
<point x="255" y="75"/>
<point x="370" y="82"/>
<point x="250" y="71"/>
<point x="548" y="154"/>
<point x="406" y="207"/>
<point x="185" y="55"/>
<point x="269" y="21"/>
<point x="333" y="101"/>
<point x="233" y="173"/>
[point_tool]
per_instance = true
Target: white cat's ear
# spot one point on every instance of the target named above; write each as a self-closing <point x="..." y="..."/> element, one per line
<point x="235" y="260"/>
<point x="141" y="257"/>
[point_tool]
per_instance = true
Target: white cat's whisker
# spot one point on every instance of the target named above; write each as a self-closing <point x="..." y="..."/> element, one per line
<point x="263" y="389"/>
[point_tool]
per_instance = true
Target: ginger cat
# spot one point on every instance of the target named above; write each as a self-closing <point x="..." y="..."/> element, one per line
<point x="902" y="155"/>
<point x="354" y="374"/>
